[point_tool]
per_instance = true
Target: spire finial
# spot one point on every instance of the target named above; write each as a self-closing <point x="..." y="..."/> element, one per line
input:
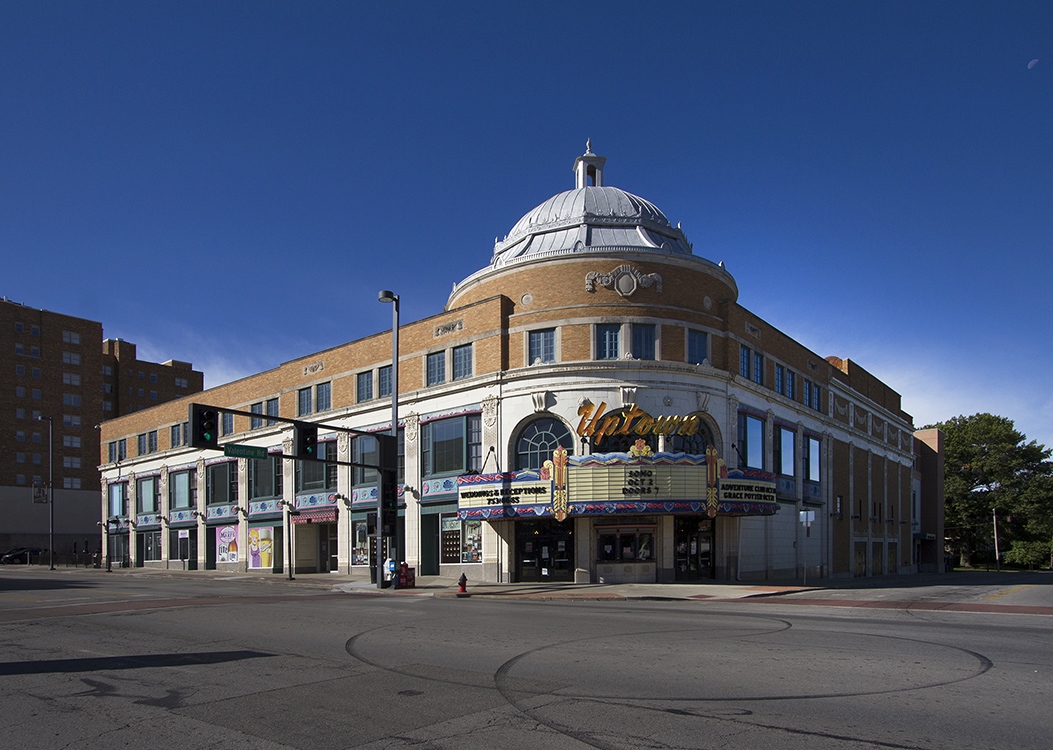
<point x="588" y="146"/>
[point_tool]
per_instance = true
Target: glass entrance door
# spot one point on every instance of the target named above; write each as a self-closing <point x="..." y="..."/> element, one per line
<point x="544" y="551"/>
<point x="693" y="545"/>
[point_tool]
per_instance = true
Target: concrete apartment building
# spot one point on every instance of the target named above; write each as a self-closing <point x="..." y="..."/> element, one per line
<point x="58" y="367"/>
<point x="593" y="404"/>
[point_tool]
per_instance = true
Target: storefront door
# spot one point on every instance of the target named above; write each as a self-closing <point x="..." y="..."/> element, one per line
<point x="693" y="545"/>
<point x="544" y="551"/>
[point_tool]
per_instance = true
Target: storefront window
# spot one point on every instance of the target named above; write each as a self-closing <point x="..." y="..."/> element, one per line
<point x="360" y="543"/>
<point x="150" y="549"/>
<point x="261" y="547"/>
<point x="461" y="541"/>
<point x="630" y="545"/>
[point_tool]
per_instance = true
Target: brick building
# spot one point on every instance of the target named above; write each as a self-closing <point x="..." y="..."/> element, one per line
<point x="593" y="405"/>
<point x="59" y="368"/>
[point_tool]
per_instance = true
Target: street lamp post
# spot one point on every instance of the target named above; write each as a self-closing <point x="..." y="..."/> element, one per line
<point x="51" y="490"/>
<point x="386" y="295"/>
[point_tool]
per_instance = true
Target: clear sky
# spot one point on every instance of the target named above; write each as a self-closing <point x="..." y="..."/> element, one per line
<point x="231" y="183"/>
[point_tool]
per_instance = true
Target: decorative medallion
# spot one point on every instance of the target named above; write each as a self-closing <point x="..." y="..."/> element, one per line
<point x="412" y="423"/>
<point x="625" y="280"/>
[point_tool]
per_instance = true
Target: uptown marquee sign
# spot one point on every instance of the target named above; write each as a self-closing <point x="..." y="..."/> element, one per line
<point x="632" y="421"/>
<point x="618" y="484"/>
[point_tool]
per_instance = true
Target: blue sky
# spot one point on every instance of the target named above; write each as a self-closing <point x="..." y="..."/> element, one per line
<point x="230" y="183"/>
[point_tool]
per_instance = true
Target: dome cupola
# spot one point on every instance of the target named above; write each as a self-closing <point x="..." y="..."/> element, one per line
<point x="591" y="218"/>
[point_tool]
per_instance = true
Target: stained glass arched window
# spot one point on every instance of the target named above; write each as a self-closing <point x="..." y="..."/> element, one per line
<point x="538" y="438"/>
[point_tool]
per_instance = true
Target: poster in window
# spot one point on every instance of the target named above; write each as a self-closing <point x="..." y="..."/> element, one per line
<point x="473" y="542"/>
<point x="261" y="548"/>
<point x="227" y="544"/>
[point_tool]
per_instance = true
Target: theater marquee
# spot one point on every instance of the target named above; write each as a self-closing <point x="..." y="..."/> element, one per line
<point x="616" y="484"/>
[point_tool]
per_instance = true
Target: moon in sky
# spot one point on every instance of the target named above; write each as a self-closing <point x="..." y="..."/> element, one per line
<point x="1032" y="64"/>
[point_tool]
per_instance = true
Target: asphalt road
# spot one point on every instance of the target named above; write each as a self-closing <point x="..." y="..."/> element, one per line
<point x="93" y="661"/>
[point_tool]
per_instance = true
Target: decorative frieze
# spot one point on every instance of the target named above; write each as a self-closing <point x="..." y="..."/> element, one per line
<point x="624" y="279"/>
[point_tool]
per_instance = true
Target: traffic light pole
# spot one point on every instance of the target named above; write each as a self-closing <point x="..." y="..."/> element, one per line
<point x="204" y="435"/>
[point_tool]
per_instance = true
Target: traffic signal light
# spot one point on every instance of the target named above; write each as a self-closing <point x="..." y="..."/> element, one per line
<point x="204" y="427"/>
<point x="305" y="441"/>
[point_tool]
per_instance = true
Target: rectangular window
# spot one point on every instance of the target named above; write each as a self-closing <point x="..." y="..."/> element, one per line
<point x="71" y="483"/>
<point x="151" y="441"/>
<point x="70" y="358"/>
<point x="462" y="362"/>
<point x="817" y="401"/>
<point x="19" y="349"/>
<point x="69" y="399"/>
<point x="118" y="499"/>
<point x="364" y="386"/>
<point x="140" y="446"/>
<point x="697" y="346"/>
<point x="70" y="378"/>
<point x="643" y="341"/>
<point x="808" y="393"/>
<point x="221" y="483"/>
<point x="20" y="391"/>
<point x="384" y="381"/>
<point x="811" y="459"/>
<point x="182" y="383"/>
<point x="36" y="393"/>
<point x="364" y="449"/>
<point x="745" y="356"/>
<point x="750" y="447"/>
<point x="147" y="495"/>
<point x="315" y="476"/>
<point x="227" y="424"/>
<point x="70" y="337"/>
<point x="790" y="385"/>
<point x="70" y="441"/>
<point x="256" y="423"/>
<point x="265" y="478"/>
<point x="303" y="402"/>
<point x="780" y="373"/>
<point x="784" y="451"/>
<point x="758" y="368"/>
<point x="436" y="368"/>
<point x="272" y="410"/>
<point x="541" y="346"/>
<point x="323" y="397"/>
<point x="608" y="337"/>
<point x="451" y="446"/>
<point x="153" y="377"/>
<point x="175" y="437"/>
<point x="182" y="489"/>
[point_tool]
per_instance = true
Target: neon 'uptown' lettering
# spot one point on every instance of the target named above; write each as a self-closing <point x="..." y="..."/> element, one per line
<point x="633" y="420"/>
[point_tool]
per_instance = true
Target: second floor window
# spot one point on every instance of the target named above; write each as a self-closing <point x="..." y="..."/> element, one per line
<point x="364" y="386"/>
<point x="462" y="362"/>
<point x="697" y="347"/>
<point x="323" y="397"/>
<point x="750" y="447"/>
<point x="182" y="489"/>
<point x="221" y="483"/>
<point x="607" y="341"/>
<point x="541" y="346"/>
<point x="436" y="368"/>
<point x="643" y="341"/>
<point x="303" y="402"/>
<point x="384" y="381"/>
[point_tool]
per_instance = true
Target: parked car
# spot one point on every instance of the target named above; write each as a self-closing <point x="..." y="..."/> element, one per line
<point x="19" y="555"/>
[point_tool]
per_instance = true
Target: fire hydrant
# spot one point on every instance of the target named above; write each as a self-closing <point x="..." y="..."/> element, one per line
<point x="462" y="584"/>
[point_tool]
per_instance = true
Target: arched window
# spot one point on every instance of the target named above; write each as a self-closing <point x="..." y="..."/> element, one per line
<point x="538" y="439"/>
<point x="694" y="445"/>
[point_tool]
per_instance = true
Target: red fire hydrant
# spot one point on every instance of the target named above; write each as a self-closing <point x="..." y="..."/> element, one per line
<point x="462" y="584"/>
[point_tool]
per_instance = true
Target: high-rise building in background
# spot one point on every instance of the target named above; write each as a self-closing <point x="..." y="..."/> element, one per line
<point x="58" y="367"/>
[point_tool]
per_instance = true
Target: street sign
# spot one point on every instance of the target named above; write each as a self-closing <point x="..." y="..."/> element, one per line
<point x="40" y="493"/>
<point x="244" y="451"/>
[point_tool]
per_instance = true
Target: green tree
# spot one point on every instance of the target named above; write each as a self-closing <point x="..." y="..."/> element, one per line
<point x="989" y="467"/>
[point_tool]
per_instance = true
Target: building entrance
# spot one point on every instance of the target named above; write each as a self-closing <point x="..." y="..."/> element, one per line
<point x="693" y="547"/>
<point x="544" y="551"/>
